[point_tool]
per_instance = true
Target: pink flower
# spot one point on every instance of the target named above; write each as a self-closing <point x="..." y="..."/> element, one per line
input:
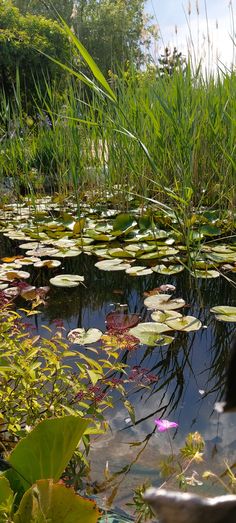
<point x="165" y="424"/>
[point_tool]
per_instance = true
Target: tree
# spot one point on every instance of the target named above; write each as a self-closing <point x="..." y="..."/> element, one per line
<point x="171" y="62"/>
<point x="113" y="31"/>
<point x="46" y="8"/>
<point x="20" y="39"/>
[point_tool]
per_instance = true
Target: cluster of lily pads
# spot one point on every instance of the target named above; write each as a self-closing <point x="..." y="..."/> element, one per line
<point x="139" y="242"/>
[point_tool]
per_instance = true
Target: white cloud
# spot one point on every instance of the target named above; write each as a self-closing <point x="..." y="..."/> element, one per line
<point x="207" y="36"/>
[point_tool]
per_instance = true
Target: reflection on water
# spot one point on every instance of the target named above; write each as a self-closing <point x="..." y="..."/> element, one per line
<point x="190" y="371"/>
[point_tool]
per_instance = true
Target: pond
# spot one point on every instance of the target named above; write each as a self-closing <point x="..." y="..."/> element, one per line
<point x="180" y="381"/>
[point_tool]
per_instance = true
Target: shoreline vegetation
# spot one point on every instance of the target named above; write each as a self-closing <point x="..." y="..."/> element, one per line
<point x="136" y="169"/>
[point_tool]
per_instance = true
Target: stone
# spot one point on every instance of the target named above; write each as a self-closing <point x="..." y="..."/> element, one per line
<point x="180" y="507"/>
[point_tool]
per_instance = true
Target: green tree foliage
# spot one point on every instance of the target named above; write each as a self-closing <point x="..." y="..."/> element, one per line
<point x="113" y="31"/>
<point x="21" y="36"/>
<point x="171" y="62"/>
<point x="46" y="8"/>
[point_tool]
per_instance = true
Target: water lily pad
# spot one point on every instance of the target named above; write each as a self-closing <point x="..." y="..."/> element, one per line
<point x="185" y="323"/>
<point x="206" y="274"/>
<point x="163" y="316"/>
<point x="121" y="321"/>
<point x="112" y="265"/>
<point x="67" y="280"/>
<point x="83" y="337"/>
<point x="171" y="269"/>
<point x="224" y="313"/>
<point x="68" y="253"/>
<point x="50" y="264"/>
<point x="14" y="275"/>
<point x="151" y="334"/>
<point x="138" y="270"/>
<point x="163" y="302"/>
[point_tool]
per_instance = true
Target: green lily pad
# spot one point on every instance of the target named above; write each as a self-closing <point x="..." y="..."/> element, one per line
<point x="206" y="274"/>
<point x="224" y="313"/>
<point x="50" y="264"/>
<point x="163" y="316"/>
<point x="138" y="270"/>
<point x="151" y="334"/>
<point x="112" y="265"/>
<point x="67" y="280"/>
<point x="83" y="337"/>
<point x="186" y="323"/>
<point x="163" y="302"/>
<point x="171" y="269"/>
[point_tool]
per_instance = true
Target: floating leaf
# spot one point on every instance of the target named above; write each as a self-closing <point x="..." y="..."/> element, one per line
<point x="224" y="313"/>
<point x="14" y="275"/>
<point x="83" y="337"/>
<point x="150" y="334"/>
<point x="112" y="265"/>
<point x="50" y="264"/>
<point x="123" y="223"/>
<point x="171" y="269"/>
<point x="121" y="321"/>
<point x="164" y="302"/>
<point x="205" y="274"/>
<point x="67" y="280"/>
<point x="138" y="270"/>
<point x="163" y="316"/>
<point x="185" y="323"/>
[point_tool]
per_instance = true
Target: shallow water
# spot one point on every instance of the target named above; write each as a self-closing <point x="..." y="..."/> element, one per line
<point x="190" y="370"/>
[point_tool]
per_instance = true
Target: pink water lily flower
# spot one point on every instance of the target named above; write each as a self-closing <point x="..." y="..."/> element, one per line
<point x="165" y="424"/>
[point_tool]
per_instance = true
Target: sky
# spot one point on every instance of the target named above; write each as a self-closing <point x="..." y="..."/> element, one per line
<point x="205" y="27"/>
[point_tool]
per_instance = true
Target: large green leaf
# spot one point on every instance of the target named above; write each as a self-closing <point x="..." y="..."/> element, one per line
<point x="6" y="495"/>
<point x="45" y="452"/>
<point x="46" y="502"/>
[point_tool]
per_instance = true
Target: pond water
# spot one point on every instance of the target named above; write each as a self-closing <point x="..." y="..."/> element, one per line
<point x="190" y="370"/>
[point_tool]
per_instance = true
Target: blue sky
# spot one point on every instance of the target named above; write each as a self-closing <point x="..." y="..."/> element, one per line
<point x="211" y="34"/>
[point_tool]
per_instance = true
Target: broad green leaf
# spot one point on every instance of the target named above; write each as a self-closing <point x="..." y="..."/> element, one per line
<point x="6" y="493"/>
<point x="123" y="222"/>
<point x="45" y="452"/>
<point x="79" y="226"/>
<point x="46" y="501"/>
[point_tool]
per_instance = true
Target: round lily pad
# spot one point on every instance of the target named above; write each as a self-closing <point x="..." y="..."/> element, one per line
<point x="163" y="316"/>
<point x="206" y="274"/>
<point x="83" y="337"/>
<point x="138" y="270"/>
<point x="185" y="323"/>
<point x="151" y="334"/>
<point x="14" y="275"/>
<point x="163" y="302"/>
<point x="112" y="265"/>
<point x="50" y="264"/>
<point x="224" y="313"/>
<point x="66" y="280"/>
<point x="171" y="269"/>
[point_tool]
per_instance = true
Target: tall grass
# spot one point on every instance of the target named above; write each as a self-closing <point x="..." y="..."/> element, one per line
<point x="170" y="139"/>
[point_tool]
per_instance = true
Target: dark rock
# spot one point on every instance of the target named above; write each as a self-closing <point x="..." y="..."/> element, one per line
<point x="179" y="507"/>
